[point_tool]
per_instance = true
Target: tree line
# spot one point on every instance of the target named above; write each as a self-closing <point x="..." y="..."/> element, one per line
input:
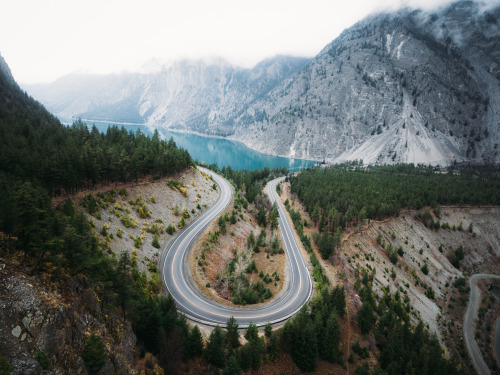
<point x="350" y="194"/>
<point x="40" y="158"/>
<point x="34" y="145"/>
<point x="251" y="182"/>
<point x="67" y="159"/>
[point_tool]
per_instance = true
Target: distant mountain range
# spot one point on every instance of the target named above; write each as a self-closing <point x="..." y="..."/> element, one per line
<point x="407" y="86"/>
<point x="195" y="95"/>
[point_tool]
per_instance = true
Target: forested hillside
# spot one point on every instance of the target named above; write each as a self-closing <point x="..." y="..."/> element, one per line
<point x="40" y="158"/>
<point x="350" y="194"/>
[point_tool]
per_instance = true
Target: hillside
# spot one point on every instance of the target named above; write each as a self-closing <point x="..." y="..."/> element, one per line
<point x="68" y="303"/>
<point x="407" y="86"/>
<point x="197" y="95"/>
<point x="433" y="293"/>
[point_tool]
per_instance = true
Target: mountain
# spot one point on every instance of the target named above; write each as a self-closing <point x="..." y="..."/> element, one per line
<point x="407" y="86"/>
<point x="195" y="95"/>
<point x="5" y="72"/>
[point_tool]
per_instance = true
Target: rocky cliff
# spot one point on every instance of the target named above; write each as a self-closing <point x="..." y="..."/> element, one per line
<point x="197" y="95"/>
<point x="56" y="318"/>
<point x="408" y="86"/>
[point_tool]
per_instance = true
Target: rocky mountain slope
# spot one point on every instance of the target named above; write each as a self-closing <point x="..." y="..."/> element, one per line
<point x="408" y="86"/>
<point x="56" y="318"/>
<point x="193" y="95"/>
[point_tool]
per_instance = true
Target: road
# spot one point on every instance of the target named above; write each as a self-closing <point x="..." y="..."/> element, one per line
<point x="470" y="315"/>
<point x="198" y="307"/>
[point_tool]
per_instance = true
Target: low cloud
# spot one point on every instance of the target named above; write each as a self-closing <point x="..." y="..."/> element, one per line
<point x="430" y="5"/>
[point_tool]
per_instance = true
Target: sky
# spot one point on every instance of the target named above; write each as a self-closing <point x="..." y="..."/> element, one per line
<point x="44" y="40"/>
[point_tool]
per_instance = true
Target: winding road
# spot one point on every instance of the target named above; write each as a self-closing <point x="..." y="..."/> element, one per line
<point x="176" y="275"/>
<point x="471" y="313"/>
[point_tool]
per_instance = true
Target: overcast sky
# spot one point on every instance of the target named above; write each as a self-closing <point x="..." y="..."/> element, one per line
<point x="43" y="40"/>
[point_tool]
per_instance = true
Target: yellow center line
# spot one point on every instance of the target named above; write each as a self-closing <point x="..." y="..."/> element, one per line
<point x="211" y="312"/>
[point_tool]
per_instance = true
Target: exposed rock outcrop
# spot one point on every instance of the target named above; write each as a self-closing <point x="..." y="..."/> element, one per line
<point x="56" y="318"/>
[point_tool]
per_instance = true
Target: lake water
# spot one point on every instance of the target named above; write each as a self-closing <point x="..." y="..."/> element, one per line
<point x="223" y="152"/>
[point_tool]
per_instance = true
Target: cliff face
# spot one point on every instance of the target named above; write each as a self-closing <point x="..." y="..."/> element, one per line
<point x="56" y="318"/>
<point x="196" y="95"/>
<point x="409" y="86"/>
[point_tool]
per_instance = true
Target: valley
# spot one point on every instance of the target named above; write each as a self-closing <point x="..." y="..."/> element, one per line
<point x="384" y="91"/>
<point x="331" y="214"/>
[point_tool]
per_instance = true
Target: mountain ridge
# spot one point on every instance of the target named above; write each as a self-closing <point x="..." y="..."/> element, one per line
<point x="407" y="86"/>
<point x="386" y="72"/>
<point x="182" y="94"/>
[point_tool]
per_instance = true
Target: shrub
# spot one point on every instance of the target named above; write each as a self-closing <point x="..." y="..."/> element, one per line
<point x="43" y="359"/>
<point x="5" y="367"/>
<point x="153" y="268"/>
<point x="94" y="354"/>
<point x="155" y="242"/>
<point x="138" y="242"/>
<point x="425" y="269"/>
<point x="181" y="223"/>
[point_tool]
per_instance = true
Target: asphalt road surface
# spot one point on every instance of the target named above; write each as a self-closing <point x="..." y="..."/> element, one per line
<point x="470" y="315"/>
<point x="198" y="307"/>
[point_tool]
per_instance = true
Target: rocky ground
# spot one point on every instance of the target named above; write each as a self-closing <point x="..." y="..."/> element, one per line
<point x="164" y="207"/>
<point x="56" y="318"/>
<point x="210" y="259"/>
<point x="443" y="311"/>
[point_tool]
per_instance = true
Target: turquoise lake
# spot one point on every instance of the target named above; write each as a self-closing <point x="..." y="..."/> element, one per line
<point x="223" y="152"/>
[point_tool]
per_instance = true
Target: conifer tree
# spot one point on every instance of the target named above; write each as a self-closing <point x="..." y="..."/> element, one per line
<point x="232" y="336"/>
<point x="94" y="354"/>
<point x="214" y="351"/>
<point x="195" y="342"/>
<point x="232" y="367"/>
<point x="304" y="346"/>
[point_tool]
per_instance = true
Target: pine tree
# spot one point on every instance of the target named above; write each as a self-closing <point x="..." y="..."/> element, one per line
<point x="94" y="354"/>
<point x="147" y="324"/>
<point x="273" y="216"/>
<point x="273" y="349"/>
<point x="232" y="367"/>
<point x="232" y="336"/>
<point x="252" y="332"/>
<point x="338" y="298"/>
<point x="195" y="342"/>
<point x="214" y="351"/>
<point x="124" y="281"/>
<point x="155" y="242"/>
<point x="329" y="345"/>
<point x="69" y="208"/>
<point x="366" y="317"/>
<point x="268" y="329"/>
<point x="304" y="346"/>
<point x="261" y="219"/>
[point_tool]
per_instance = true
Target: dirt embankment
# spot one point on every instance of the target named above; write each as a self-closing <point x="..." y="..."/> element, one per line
<point x="132" y="220"/>
<point x="56" y="318"/>
<point x="441" y="309"/>
<point x="209" y="260"/>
